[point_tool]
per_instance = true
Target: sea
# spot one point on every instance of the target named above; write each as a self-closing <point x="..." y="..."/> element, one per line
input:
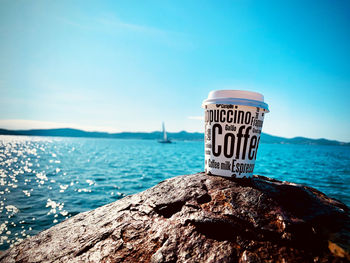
<point x="45" y="180"/>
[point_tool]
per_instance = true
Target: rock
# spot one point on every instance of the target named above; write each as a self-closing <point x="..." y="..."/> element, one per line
<point x="201" y="218"/>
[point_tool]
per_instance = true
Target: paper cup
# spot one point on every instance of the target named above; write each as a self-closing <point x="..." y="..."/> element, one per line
<point x="233" y="123"/>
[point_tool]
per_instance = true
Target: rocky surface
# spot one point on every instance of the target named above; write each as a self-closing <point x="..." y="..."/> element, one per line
<point x="201" y="218"/>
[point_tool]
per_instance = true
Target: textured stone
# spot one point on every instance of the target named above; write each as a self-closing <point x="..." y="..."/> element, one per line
<point x="201" y="218"/>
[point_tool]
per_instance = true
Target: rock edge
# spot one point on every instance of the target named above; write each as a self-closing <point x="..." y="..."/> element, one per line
<point x="201" y="218"/>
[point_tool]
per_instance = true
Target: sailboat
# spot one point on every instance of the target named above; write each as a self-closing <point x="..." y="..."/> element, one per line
<point x="165" y="138"/>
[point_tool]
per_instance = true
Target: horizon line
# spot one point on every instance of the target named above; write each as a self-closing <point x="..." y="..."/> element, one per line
<point x="320" y="138"/>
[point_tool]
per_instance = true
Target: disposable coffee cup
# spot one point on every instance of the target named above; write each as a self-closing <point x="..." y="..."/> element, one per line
<point x="233" y="124"/>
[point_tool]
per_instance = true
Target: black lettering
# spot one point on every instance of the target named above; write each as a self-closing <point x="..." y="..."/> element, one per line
<point x="233" y="165"/>
<point x="248" y="115"/>
<point x="257" y="146"/>
<point x="216" y="115"/>
<point x="240" y="117"/>
<point x="246" y="137"/>
<point x="222" y="115"/>
<point x="228" y="117"/>
<point x="239" y="136"/>
<point x="229" y="148"/>
<point x="251" y="147"/>
<point x="215" y="127"/>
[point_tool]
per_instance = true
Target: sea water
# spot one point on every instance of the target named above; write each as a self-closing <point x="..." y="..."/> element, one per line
<point x="45" y="180"/>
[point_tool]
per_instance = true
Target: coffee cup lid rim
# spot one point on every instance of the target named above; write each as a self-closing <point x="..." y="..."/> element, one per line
<point x="236" y="97"/>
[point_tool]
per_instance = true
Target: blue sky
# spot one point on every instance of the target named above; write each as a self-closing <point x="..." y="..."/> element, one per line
<point x="129" y="65"/>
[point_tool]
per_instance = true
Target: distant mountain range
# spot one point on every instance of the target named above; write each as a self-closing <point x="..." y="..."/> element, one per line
<point x="182" y="135"/>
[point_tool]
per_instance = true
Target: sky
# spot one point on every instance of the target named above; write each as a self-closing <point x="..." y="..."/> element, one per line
<point x="129" y="65"/>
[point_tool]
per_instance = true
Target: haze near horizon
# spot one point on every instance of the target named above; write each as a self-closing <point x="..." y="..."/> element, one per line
<point x="116" y="66"/>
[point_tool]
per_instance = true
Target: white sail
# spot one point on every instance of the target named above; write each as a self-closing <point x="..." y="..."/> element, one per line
<point x="165" y="137"/>
<point x="164" y="133"/>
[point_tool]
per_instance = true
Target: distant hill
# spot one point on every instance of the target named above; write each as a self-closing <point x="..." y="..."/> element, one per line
<point x="181" y="136"/>
<point x="267" y="138"/>
<point x="68" y="132"/>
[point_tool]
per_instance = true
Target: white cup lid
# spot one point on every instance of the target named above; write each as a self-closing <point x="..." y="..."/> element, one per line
<point x="236" y="97"/>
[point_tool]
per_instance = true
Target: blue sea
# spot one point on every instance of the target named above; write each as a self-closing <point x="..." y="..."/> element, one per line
<point x="44" y="180"/>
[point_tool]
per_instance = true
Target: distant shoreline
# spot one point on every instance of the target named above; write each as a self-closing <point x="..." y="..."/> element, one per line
<point x="180" y="136"/>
